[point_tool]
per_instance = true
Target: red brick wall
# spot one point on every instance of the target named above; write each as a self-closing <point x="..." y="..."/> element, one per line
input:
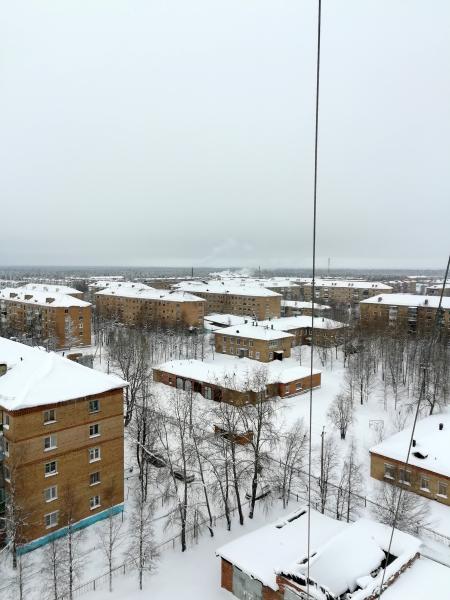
<point x="226" y="580"/>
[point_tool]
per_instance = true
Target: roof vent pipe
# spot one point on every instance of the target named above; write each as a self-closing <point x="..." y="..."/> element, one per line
<point x="441" y="426"/>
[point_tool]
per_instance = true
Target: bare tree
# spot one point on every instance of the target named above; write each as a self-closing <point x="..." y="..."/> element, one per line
<point x="21" y="582"/>
<point x="292" y="453"/>
<point x="340" y="413"/>
<point x="73" y="555"/>
<point x="407" y="510"/>
<point x="349" y="486"/>
<point x="53" y="570"/>
<point x="110" y="531"/>
<point x="327" y="461"/>
<point x="141" y="551"/>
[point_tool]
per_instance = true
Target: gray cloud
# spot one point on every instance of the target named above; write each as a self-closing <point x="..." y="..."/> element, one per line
<point x="179" y="133"/>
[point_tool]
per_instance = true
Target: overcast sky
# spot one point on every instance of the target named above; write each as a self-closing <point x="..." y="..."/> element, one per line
<point x="180" y="132"/>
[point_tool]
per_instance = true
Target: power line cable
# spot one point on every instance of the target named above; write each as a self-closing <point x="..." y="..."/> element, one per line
<point x="433" y="337"/>
<point x="313" y="287"/>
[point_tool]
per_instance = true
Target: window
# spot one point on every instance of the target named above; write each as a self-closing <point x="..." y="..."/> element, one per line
<point x="6" y="447"/>
<point x="51" y="468"/>
<point x="442" y="489"/>
<point x="286" y="390"/>
<point x="50" y="442"/>
<point x="94" y="406"/>
<point x="94" y="454"/>
<point x="389" y="471"/>
<point x="51" y="493"/>
<point x="7" y="473"/>
<point x="404" y="476"/>
<point x="94" y="430"/>
<point x="298" y="386"/>
<point x="270" y="355"/>
<point x="424" y="483"/>
<point x="208" y="393"/>
<point x="94" y="478"/>
<point x="257" y="355"/>
<point x="94" y="502"/>
<point x="5" y="420"/>
<point x="49" y="416"/>
<point x="51" y="520"/>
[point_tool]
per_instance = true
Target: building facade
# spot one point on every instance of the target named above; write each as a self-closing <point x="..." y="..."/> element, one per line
<point x="404" y="311"/>
<point x="56" y="320"/>
<point x="260" y="343"/>
<point x="343" y="292"/>
<point x="255" y="302"/>
<point x="62" y="440"/>
<point x="146" y="306"/>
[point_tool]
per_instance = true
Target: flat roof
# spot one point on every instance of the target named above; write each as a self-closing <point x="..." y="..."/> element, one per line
<point x="236" y="373"/>
<point x="227" y="320"/>
<point x="350" y="283"/>
<point x="49" y="288"/>
<point x="431" y="443"/>
<point x="408" y="300"/>
<point x="301" y="322"/>
<point x="302" y="304"/>
<point x="35" y="377"/>
<point x="148" y="293"/>
<point x="222" y="287"/>
<point x="39" y="298"/>
<point x="255" y="332"/>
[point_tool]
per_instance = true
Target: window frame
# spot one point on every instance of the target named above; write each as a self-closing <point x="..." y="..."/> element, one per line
<point x="52" y="498"/>
<point x="94" y="502"/>
<point x="95" y="450"/>
<point x="52" y="437"/>
<point x="96" y="410"/>
<point x="49" y="421"/>
<point x="51" y="473"/>
<point x="50" y="525"/>
<point x="91" y="428"/>
<point x="96" y="481"/>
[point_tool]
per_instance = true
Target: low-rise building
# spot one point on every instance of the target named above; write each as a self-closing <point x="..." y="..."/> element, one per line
<point x="237" y="381"/>
<point x="296" y="308"/>
<point x="252" y="341"/>
<point x="408" y="311"/>
<point x="327" y="332"/>
<point x="339" y="291"/>
<point x="428" y="470"/>
<point x="222" y="297"/>
<point x="53" y="319"/>
<point x="213" y="322"/>
<point x="142" y="305"/>
<point x="346" y="560"/>
<point x="62" y="442"/>
<point x="436" y="290"/>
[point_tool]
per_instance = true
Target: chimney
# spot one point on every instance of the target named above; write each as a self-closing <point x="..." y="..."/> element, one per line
<point x="414" y="443"/>
<point x="28" y="296"/>
<point x="380" y="299"/>
<point x="272" y="325"/>
<point x="3" y="369"/>
<point x="441" y="426"/>
<point x="49" y="300"/>
<point x="426" y="301"/>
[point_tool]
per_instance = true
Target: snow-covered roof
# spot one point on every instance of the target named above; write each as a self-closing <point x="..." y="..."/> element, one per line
<point x="222" y="287"/>
<point x="408" y="300"/>
<point x="430" y="442"/>
<point x="255" y="332"/>
<point x="424" y="580"/>
<point x="148" y="293"/>
<point x="236" y="373"/>
<point x="354" y="283"/>
<point x="35" y="377"/>
<point x="439" y="286"/>
<point x="113" y="284"/>
<point x="49" y="288"/>
<point x="301" y="322"/>
<point x="227" y="320"/>
<point x="300" y="304"/>
<point x="42" y="298"/>
<point x="342" y="558"/>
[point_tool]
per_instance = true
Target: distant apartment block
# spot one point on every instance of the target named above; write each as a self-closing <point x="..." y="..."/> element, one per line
<point x="428" y="470"/>
<point x="61" y="444"/>
<point x="327" y="332"/>
<point x="343" y="292"/>
<point x="408" y="311"/>
<point x="436" y="290"/>
<point x="221" y="297"/>
<point x="251" y="341"/>
<point x="237" y="381"/>
<point x="135" y="304"/>
<point x="296" y="308"/>
<point x="57" y="319"/>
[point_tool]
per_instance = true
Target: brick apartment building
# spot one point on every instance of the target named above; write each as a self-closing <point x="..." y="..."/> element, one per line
<point x="327" y="332"/>
<point x="338" y="291"/>
<point x="57" y="319"/>
<point x="436" y="290"/>
<point x="408" y="311"/>
<point x="346" y="561"/>
<point x="289" y="289"/>
<point x="237" y="381"/>
<point x="135" y="304"/>
<point x="221" y="297"/>
<point x="428" y="470"/>
<point x="251" y="341"/>
<point x="62" y="441"/>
